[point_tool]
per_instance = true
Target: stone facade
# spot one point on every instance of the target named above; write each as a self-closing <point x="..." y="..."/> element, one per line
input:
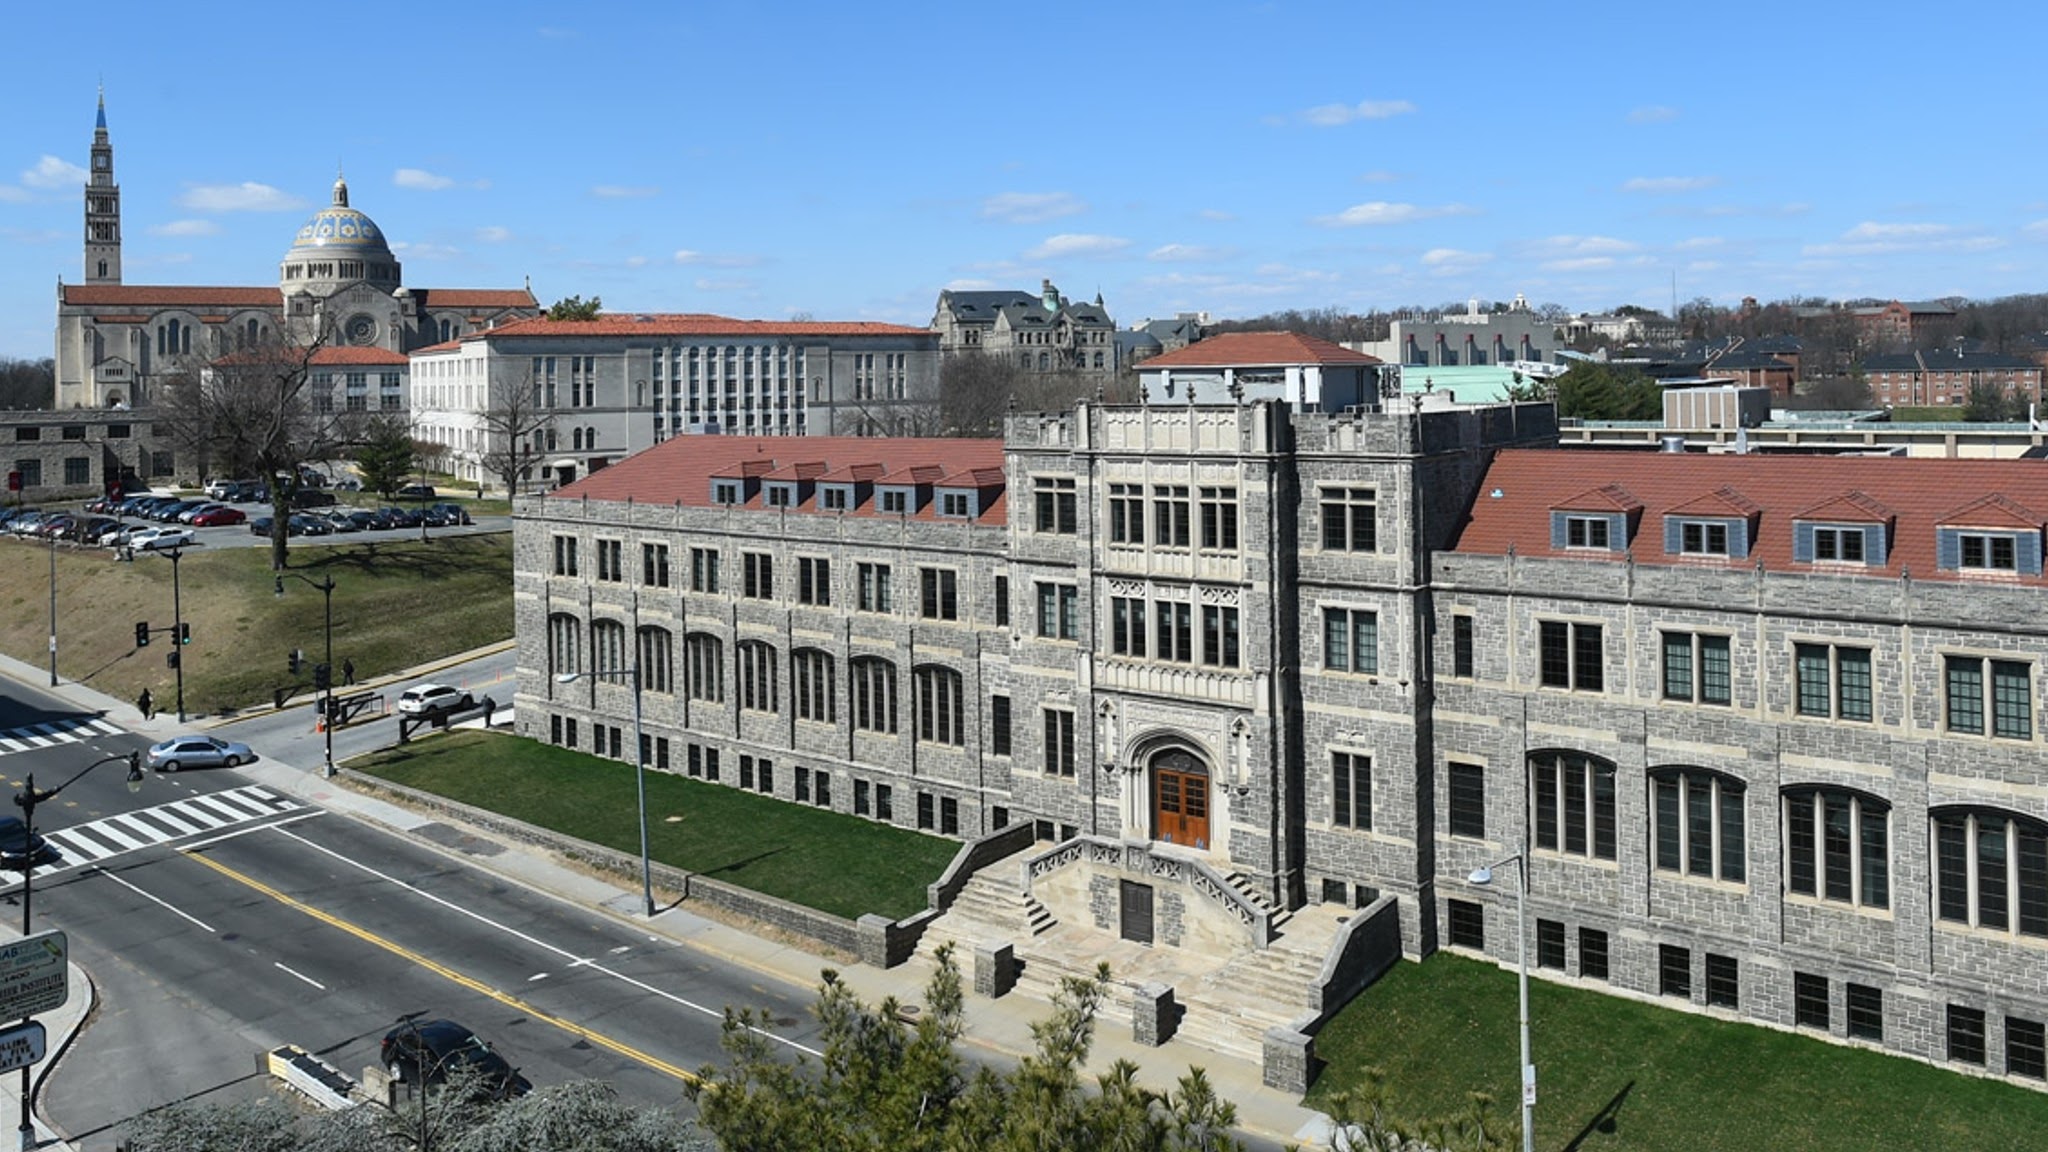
<point x="1043" y="333"/>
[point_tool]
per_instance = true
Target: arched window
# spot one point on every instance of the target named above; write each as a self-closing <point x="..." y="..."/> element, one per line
<point x="1991" y="870"/>
<point x="565" y="645"/>
<point x="607" y="647"/>
<point x="704" y="667"/>
<point x="656" y="660"/>
<point x="1838" y="846"/>
<point x="1045" y="361"/>
<point x="940" y="705"/>
<point x="1098" y="359"/>
<point x="590" y="439"/>
<point x="874" y="694"/>
<point x="1573" y="797"/>
<point x="757" y="675"/>
<point x="576" y="439"/>
<point x="447" y="330"/>
<point x="812" y="683"/>
<point x="1697" y="823"/>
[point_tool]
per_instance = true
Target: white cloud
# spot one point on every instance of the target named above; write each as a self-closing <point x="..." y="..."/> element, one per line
<point x="1337" y="115"/>
<point x="1077" y="245"/>
<point x="247" y="196"/>
<point x="1031" y="207"/>
<point x="1183" y="253"/>
<point x="1382" y="212"/>
<point x="52" y="173"/>
<point x="1660" y="185"/>
<point x="2037" y="228"/>
<point x="9" y="194"/>
<point x="426" y="251"/>
<point x="971" y="284"/>
<point x="714" y="259"/>
<point x="1278" y="271"/>
<point x="1871" y="230"/>
<point x="1652" y="114"/>
<point x="1579" y="263"/>
<point x="734" y="284"/>
<point x="1378" y="176"/>
<point x="1448" y="260"/>
<point x="494" y="234"/>
<point x="1568" y="245"/>
<point x="1216" y="214"/>
<point x="421" y="180"/>
<point x="623" y="191"/>
<point x="186" y="228"/>
<point x="1696" y="242"/>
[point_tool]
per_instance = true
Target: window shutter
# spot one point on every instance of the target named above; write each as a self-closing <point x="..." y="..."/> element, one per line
<point x="1617" y="532"/>
<point x="1738" y="539"/>
<point x="2027" y="553"/>
<point x="1674" y="540"/>
<point x="1557" y="530"/>
<point x="1874" y="546"/>
<point x="1802" y="543"/>
<point x="1948" y="548"/>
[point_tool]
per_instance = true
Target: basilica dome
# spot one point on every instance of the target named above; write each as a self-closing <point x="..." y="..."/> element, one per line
<point x="339" y="245"/>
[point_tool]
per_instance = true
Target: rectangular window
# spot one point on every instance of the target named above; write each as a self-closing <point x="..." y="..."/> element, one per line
<point x="1059" y="611"/>
<point x="1833" y="681"/>
<point x="1219" y="636"/>
<point x="834" y="498"/>
<point x="803" y="785"/>
<point x="1587" y="532"/>
<point x="1698" y="821"/>
<point x="1173" y="631"/>
<point x="1351" y="640"/>
<point x="1574" y="804"/>
<point x="1592" y="954"/>
<point x="1810" y="1001"/>
<point x="654" y="565"/>
<point x="1468" y="800"/>
<point x="1126" y="514"/>
<point x="1127" y="625"/>
<point x="1674" y="971"/>
<point x="1844" y="545"/>
<point x="2011" y="698"/>
<point x="1171" y="516"/>
<point x="1696" y="538"/>
<point x="1572" y="655"/>
<point x="704" y="570"/>
<point x="999" y="725"/>
<point x="1350" y="520"/>
<point x="1467" y="924"/>
<point x="895" y="500"/>
<point x="1864" y="1011"/>
<point x="1550" y="944"/>
<point x="1990" y="552"/>
<point x="1055" y="504"/>
<point x="609" y="567"/>
<point x="1696" y="668"/>
<point x="1724" y="986"/>
<point x="813" y="581"/>
<point x="822" y="780"/>
<point x="926" y="813"/>
<point x="1219" y="519"/>
<point x="938" y="593"/>
<point x="1461" y="646"/>
<point x="1965" y="1034"/>
<point x="885" y="808"/>
<point x="956" y="505"/>
<point x="1059" y="742"/>
<point x="725" y="492"/>
<point x="949" y="816"/>
<point x="874" y="587"/>
<point x="757" y="575"/>
<point x="862" y="805"/>
<point x="1002" y="615"/>
<point x="565" y="556"/>
<point x="2026" y="1048"/>
<point x="1351" y="790"/>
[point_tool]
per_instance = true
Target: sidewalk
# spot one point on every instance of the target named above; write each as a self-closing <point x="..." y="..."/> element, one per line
<point x="999" y="1027"/>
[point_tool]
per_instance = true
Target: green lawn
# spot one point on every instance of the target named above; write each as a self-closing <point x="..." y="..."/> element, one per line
<point x="1659" y="1078"/>
<point x="840" y="864"/>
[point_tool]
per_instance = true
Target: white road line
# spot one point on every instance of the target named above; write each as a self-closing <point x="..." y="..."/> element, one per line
<point x="71" y="844"/>
<point x="245" y="830"/>
<point x="154" y="899"/>
<point x="230" y="800"/>
<point x="207" y="803"/>
<point x="129" y="823"/>
<point x="12" y="745"/>
<point x="199" y="816"/>
<point x="37" y="741"/>
<point x="300" y="975"/>
<point x="104" y="831"/>
<point x="107" y="729"/>
<point x="158" y="815"/>
<point x="536" y="978"/>
<point x="261" y="793"/>
<point x="539" y="943"/>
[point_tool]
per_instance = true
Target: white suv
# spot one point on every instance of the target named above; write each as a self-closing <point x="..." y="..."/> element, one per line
<point x="433" y="700"/>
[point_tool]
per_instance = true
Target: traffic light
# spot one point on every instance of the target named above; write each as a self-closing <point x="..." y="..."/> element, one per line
<point x="323" y="676"/>
<point x="184" y="632"/>
<point x="142" y="633"/>
<point x="297" y="660"/>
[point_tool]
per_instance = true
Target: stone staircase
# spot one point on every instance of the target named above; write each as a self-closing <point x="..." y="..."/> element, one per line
<point x="1229" y="1008"/>
<point x="1244" y="886"/>
<point x="989" y="908"/>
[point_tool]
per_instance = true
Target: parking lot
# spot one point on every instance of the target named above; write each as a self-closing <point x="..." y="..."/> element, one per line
<point x="218" y="524"/>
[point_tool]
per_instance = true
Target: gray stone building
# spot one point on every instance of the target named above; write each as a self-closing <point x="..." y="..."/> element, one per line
<point x="1762" y="731"/>
<point x="1044" y="333"/>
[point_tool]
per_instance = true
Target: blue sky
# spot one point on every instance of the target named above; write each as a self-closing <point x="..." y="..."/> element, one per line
<point x="849" y="161"/>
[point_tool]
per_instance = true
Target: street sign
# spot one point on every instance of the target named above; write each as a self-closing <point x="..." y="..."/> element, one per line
<point x="22" y="1045"/>
<point x="34" y="974"/>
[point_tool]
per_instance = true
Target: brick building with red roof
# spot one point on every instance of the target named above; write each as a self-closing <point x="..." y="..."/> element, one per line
<point x="1308" y="373"/>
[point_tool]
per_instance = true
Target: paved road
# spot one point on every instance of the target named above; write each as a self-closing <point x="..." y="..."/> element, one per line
<point x="291" y="734"/>
<point x="220" y="918"/>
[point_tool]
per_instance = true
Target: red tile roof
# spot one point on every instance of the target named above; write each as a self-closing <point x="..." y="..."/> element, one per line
<point x="1606" y="498"/>
<point x="680" y="470"/>
<point x="444" y="346"/>
<point x="478" y="298"/>
<point x="1920" y="493"/>
<point x="171" y="296"/>
<point x="690" y="324"/>
<point x="1257" y="350"/>
<point x="343" y="354"/>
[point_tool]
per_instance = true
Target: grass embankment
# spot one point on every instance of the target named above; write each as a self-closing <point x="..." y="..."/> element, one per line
<point x="395" y="605"/>
<point x="1622" y="1074"/>
<point x="835" y="863"/>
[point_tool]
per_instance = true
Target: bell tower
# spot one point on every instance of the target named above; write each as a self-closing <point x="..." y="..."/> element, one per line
<point x="102" y="208"/>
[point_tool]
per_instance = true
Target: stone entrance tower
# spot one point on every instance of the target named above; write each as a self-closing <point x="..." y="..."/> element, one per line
<point x="102" y="209"/>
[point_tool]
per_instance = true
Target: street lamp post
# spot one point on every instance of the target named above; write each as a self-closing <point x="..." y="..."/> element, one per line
<point x="631" y="674"/>
<point x="53" y="611"/>
<point x="26" y="800"/>
<point x="177" y="623"/>
<point x="326" y="587"/>
<point x="1485" y="876"/>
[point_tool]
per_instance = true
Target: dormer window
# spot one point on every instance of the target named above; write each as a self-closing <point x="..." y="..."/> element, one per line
<point x="956" y="505"/>
<point x="1703" y="538"/>
<point x="725" y="491"/>
<point x="1586" y="532"/>
<point x="835" y="497"/>
<point x="895" y="500"/>
<point x="1838" y="545"/>
<point x="1996" y="552"/>
<point x="778" y="494"/>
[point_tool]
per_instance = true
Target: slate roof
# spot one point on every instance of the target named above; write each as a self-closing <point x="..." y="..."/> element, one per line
<point x="1744" y="359"/>
<point x="1258" y="350"/>
<point x="679" y="470"/>
<point x="1917" y="494"/>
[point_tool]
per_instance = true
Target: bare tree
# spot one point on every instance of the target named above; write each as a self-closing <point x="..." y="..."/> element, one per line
<point x="517" y="430"/>
<point x="28" y="383"/>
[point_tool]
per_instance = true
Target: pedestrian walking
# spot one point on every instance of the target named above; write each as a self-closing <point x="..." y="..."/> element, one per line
<point x="348" y="672"/>
<point x="145" y="705"/>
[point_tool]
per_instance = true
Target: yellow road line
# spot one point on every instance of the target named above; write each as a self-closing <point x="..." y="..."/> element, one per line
<point x="442" y="970"/>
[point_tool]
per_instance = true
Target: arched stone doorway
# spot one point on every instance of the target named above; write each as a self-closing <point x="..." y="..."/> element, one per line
<point x="1180" y="798"/>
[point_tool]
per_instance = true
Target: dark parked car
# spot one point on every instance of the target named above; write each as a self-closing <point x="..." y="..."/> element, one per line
<point x="417" y="492"/>
<point x="427" y="1051"/>
<point x="18" y="847"/>
<point x="445" y="515"/>
<point x="399" y="517"/>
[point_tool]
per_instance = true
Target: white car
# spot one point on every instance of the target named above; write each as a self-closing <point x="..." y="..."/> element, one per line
<point x="433" y="700"/>
<point x="153" y="539"/>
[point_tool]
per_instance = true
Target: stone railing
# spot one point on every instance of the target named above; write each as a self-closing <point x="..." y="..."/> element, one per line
<point x="1145" y="860"/>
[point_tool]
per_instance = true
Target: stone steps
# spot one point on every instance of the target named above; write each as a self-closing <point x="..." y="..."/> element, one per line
<point x="987" y="909"/>
<point x="1246" y="887"/>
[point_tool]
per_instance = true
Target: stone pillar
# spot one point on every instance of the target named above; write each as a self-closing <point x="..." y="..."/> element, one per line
<point x="1154" y="1016"/>
<point x="995" y="968"/>
<point x="1289" y="1059"/>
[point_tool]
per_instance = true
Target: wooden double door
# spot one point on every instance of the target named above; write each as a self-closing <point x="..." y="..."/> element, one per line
<point x="1180" y="800"/>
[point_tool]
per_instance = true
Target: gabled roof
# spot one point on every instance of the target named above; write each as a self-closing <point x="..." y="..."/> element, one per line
<point x="171" y="296"/>
<point x="1919" y="493"/>
<point x="345" y="354"/>
<point x="1945" y="362"/>
<point x="1258" y="350"/>
<point x="1722" y="501"/>
<point x="1848" y="508"/>
<point x="688" y="324"/>
<point x="1606" y="498"/>
<point x="475" y="298"/>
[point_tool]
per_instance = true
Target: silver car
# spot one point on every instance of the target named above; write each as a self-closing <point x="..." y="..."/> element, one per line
<point x="197" y="752"/>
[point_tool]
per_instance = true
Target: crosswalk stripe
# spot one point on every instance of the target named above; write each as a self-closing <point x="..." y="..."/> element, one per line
<point x="83" y="835"/>
<point x="49" y="733"/>
<point x="75" y="845"/>
<point x="127" y="822"/>
<point x="160" y="816"/>
<point x="126" y="832"/>
<point x="12" y="745"/>
<point x="107" y="729"/>
<point x="208" y="803"/>
<point x="243" y="805"/>
<point x="35" y="741"/>
<point x="105" y="830"/>
<point x="196" y="814"/>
